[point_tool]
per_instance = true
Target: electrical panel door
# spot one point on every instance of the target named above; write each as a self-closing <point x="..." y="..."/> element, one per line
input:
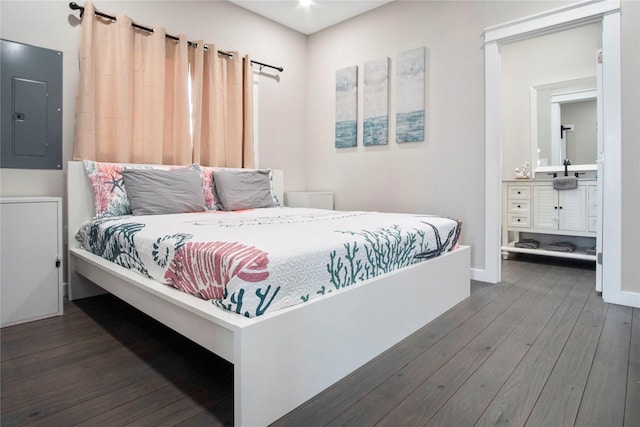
<point x="31" y="107"/>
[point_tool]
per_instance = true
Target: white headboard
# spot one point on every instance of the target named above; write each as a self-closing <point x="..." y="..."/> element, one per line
<point x="80" y="205"/>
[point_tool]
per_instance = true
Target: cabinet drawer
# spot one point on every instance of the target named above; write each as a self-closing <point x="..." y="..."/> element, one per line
<point x="519" y="192"/>
<point x="519" y="207"/>
<point x="518" y="220"/>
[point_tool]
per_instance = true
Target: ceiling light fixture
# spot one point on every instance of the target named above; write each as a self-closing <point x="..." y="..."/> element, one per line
<point x="305" y="3"/>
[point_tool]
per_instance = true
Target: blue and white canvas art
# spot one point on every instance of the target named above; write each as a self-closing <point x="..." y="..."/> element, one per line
<point x="376" y="102"/>
<point x="410" y="80"/>
<point x="347" y="107"/>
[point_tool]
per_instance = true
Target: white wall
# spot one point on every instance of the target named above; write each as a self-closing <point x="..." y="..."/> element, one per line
<point x="51" y="24"/>
<point x="541" y="60"/>
<point x="445" y="174"/>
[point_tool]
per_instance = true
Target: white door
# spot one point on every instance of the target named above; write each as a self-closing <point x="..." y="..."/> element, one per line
<point x="599" y="163"/>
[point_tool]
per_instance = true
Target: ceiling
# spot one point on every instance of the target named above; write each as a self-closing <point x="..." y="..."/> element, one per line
<point x="316" y="16"/>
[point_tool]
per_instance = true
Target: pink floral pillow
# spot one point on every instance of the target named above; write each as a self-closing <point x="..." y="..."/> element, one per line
<point x="109" y="195"/>
<point x="207" y="184"/>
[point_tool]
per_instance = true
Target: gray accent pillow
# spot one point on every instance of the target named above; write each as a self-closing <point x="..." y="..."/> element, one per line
<point x="243" y="189"/>
<point x="160" y="192"/>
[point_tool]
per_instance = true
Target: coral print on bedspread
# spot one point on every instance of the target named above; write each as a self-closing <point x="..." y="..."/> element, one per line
<point x="204" y="268"/>
<point x="256" y="261"/>
<point x="198" y="268"/>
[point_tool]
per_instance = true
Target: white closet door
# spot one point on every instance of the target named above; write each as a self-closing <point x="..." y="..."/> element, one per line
<point x="30" y="250"/>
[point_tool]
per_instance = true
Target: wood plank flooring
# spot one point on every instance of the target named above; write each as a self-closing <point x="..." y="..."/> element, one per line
<point x="540" y="348"/>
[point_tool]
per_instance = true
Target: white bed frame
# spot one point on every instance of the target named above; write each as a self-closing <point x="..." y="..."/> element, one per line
<point x="280" y="359"/>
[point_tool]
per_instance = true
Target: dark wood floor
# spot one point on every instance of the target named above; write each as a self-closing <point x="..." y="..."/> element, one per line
<point x="539" y="349"/>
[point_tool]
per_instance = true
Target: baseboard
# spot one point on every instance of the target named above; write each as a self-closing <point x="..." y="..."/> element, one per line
<point x="629" y="299"/>
<point x="481" y="275"/>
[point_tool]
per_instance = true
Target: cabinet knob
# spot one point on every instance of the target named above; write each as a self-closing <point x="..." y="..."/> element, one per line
<point x="518" y="219"/>
<point x="518" y="192"/>
<point x="518" y="205"/>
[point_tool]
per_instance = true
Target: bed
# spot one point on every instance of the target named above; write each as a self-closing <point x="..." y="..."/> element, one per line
<point x="295" y="342"/>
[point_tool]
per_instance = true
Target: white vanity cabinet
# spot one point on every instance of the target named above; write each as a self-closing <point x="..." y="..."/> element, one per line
<point x="30" y="254"/>
<point x="535" y="210"/>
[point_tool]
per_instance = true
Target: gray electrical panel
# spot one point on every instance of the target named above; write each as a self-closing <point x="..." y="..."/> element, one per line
<point x="31" y="106"/>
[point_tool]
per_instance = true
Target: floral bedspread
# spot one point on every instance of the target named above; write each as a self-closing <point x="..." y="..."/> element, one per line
<point x="257" y="261"/>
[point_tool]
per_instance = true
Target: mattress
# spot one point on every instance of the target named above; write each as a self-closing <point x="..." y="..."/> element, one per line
<point x="256" y="261"/>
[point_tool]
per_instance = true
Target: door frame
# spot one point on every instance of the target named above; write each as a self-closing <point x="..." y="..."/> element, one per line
<point x="607" y="13"/>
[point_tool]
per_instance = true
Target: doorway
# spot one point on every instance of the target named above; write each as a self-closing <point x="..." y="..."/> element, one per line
<point x="607" y="14"/>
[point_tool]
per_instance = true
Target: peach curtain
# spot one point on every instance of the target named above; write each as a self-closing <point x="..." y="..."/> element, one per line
<point x="222" y="99"/>
<point x="132" y="102"/>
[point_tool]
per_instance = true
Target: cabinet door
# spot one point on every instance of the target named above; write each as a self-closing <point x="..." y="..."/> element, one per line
<point x="545" y="208"/>
<point x="29" y="283"/>
<point x="572" y="206"/>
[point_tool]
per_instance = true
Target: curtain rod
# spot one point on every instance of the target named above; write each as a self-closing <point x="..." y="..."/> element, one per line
<point x="75" y="6"/>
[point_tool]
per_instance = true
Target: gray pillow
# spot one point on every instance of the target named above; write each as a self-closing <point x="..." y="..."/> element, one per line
<point x="243" y="189"/>
<point x="160" y="192"/>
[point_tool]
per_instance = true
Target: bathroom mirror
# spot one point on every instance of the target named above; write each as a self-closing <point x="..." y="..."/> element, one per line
<point x="564" y="123"/>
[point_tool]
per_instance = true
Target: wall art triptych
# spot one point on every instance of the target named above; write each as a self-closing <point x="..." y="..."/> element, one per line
<point x="347" y="107"/>
<point x="410" y="100"/>
<point x="376" y="102"/>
